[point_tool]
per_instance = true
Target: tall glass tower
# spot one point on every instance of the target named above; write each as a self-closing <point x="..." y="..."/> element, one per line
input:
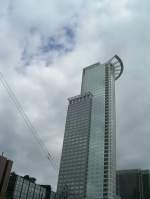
<point x="88" y="162"/>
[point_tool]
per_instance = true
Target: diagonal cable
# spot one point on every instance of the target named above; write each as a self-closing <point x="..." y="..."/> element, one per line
<point x="27" y="121"/>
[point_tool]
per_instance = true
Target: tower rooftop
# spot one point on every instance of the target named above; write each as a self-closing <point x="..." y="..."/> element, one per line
<point x="117" y="63"/>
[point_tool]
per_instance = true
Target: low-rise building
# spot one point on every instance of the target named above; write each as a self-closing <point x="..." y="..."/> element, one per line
<point x="25" y="188"/>
<point x="133" y="184"/>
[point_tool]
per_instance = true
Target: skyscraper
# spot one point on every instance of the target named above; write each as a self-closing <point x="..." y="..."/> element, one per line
<point x="88" y="162"/>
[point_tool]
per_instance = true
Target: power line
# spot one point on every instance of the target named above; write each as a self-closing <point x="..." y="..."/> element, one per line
<point x="27" y="121"/>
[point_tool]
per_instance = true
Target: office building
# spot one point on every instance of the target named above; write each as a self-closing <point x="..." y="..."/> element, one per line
<point x="146" y="184"/>
<point x="5" y="169"/>
<point x="133" y="184"/>
<point x="25" y="188"/>
<point x="88" y="162"/>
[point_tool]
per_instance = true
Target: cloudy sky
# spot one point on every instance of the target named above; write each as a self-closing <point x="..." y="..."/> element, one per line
<point x="44" y="45"/>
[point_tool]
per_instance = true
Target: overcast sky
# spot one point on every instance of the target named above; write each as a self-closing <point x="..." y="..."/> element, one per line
<point x="44" y="45"/>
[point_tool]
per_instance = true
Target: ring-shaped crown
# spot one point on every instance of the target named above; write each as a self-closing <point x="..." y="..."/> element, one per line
<point x="117" y="63"/>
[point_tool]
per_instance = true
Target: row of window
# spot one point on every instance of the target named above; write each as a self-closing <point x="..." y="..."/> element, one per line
<point x="75" y="122"/>
<point x="78" y="107"/>
<point x="75" y="147"/>
<point x="75" y="138"/>
<point x="73" y="184"/>
<point x="74" y="154"/>
<point x="24" y="189"/>
<point x="79" y="100"/>
<point x="72" y="162"/>
<point x="78" y="110"/>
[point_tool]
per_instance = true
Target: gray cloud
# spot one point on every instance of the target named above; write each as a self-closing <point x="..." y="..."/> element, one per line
<point x="33" y="57"/>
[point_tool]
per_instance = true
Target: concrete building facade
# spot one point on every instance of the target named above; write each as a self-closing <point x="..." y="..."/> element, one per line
<point x="5" y="169"/>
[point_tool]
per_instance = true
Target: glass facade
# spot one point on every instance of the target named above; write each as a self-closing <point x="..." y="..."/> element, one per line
<point x="74" y="160"/>
<point x="129" y="190"/>
<point x="91" y="122"/>
<point x="139" y="186"/>
<point x="21" y="188"/>
<point x="99" y="79"/>
<point x="94" y="81"/>
<point x="25" y="189"/>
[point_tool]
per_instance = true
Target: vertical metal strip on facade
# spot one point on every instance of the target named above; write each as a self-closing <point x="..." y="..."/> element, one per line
<point x="99" y="168"/>
<point x="110" y="135"/>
